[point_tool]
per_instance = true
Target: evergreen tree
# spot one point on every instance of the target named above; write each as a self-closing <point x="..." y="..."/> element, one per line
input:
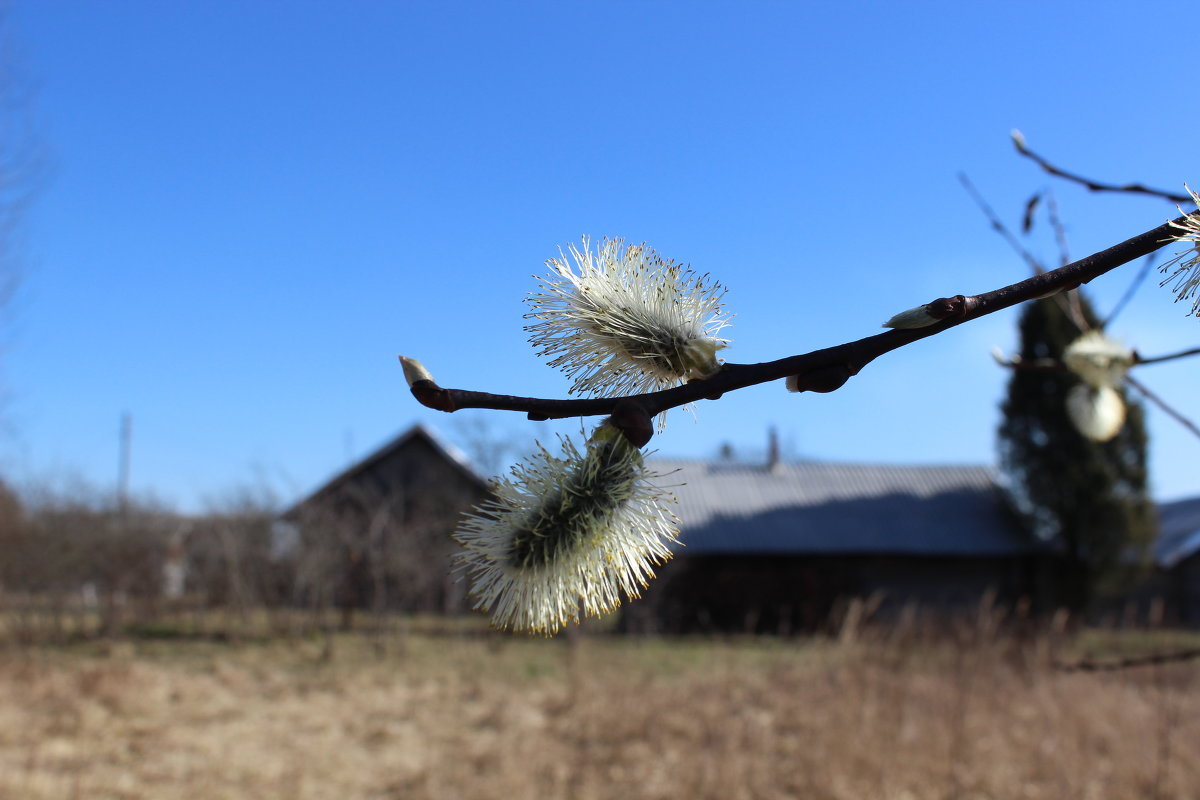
<point x="1089" y="498"/>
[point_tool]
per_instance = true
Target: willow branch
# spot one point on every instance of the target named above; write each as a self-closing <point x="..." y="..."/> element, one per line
<point x="1195" y="351"/>
<point x="1064" y="257"/>
<point x="1089" y="184"/>
<point x="1055" y="365"/>
<point x="1068" y="302"/>
<point x="1163" y="405"/>
<point x="998" y="224"/>
<point x="1134" y="285"/>
<point x="823" y="370"/>
<point x="1060" y="230"/>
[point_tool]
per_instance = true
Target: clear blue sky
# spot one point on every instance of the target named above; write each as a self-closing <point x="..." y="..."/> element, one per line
<point x="253" y="207"/>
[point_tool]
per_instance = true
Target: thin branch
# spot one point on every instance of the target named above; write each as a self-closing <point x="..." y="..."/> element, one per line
<point x="1091" y="185"/>
<point x="1134" y="285"/>
<point x="999" y="227"/>
<point x="1195" y="351"/>
<point x="1069" y="303"/>
<point x="1035" y="365"/>
<point x="1054" y="365"/>
<point x="1162" y="404"/>
<point x="1075" y="305"/>
<point x="1060" y="230"/>
<point x="822" y="370"/>
<point x="1091" y="665"/>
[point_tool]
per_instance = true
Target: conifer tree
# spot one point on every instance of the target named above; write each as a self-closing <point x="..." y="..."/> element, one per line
<point x="1089" y="498"/>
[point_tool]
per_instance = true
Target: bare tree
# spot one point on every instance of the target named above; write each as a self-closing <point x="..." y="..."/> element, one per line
<point x="74" y="555"/>
<point x="229" y="561"/>
<point x="22" y="158"/>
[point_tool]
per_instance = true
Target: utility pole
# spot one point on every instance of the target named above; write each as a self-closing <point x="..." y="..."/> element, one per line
<point x="123" y="448"/>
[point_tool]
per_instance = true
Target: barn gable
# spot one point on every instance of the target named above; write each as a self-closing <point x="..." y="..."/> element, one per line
<point x="396" y="463"/>
<point x="377" y="534"/>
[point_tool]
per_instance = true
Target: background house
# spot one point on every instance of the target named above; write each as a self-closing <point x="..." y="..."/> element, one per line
<point x="766" y="547"/>
<point x="376" y="536"/>
<point x="1177" y="556"/>
<point x="773" y="547"/>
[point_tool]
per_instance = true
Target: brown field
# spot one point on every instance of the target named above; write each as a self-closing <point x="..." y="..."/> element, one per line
<point x="462" y="714"/>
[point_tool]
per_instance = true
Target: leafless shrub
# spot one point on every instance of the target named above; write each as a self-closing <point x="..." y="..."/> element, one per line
<point x="75" y="558"/>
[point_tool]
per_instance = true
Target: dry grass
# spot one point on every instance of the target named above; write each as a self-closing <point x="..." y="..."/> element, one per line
<point x="468" y="716"/>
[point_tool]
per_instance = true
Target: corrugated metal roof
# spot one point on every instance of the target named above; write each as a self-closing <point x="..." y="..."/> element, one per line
<point x="1178" y="532"/>
<point x="834" y="508"/>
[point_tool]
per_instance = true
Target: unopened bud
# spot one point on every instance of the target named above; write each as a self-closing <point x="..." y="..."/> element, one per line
<point x="1003" y="360"/>
<point x="918" y="317"/>
<point x="414" y="371"/>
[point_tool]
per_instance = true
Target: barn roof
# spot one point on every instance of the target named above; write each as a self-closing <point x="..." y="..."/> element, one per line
<point x="834" y="508"/>
<point x="449" y="452"/>
<point x="1178" y="532"/>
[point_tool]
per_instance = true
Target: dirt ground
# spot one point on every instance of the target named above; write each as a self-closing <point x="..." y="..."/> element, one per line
<point x="485" y="716"/>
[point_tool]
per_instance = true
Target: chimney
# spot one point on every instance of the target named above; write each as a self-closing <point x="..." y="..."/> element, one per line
<point x="772" y="449"/>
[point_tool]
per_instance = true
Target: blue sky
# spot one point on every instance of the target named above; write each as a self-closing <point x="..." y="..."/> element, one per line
<point x="252" y="207"/>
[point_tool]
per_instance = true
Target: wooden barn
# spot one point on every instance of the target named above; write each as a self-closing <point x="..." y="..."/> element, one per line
<point x="377" y="536"/>
<point x="1177" y="556"/>
<point x="766" y="547"/>
<point x="774" y="547"/>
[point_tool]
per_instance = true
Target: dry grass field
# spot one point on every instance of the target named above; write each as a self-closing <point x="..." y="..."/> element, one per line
<point x="469" y="715"/>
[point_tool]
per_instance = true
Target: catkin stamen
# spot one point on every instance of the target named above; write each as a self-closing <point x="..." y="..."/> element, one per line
<point x="563" y="521"/>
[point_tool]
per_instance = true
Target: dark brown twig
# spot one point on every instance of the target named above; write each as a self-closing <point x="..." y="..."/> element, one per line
<point x="1134" y="285"/>
<point x="1067" y="302"/>
<point x="1060" y="229"/>
<point x="1036" y="365"/>
<point x="844" y="359"/>
<point x="1195" y="351"/>
<point x="1091" y="185"/>
<point x="1054" y="365"/>
<point x="999" y="227"/>
<point x="1162" y="404"/>
<point x="1075" y="310"/>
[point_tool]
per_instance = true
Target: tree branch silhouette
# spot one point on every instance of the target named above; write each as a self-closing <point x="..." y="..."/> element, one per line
<point x="1054" y="365"/>
<point x="1162" y="404"/>
<point x="1140" y="359"/>
<point x="823" y="370"/>
<point x="1068" y="302"/>
<point x="1134" y="285"/>
<point x="998" y="224"/>
<point x="1091" y="185"/>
